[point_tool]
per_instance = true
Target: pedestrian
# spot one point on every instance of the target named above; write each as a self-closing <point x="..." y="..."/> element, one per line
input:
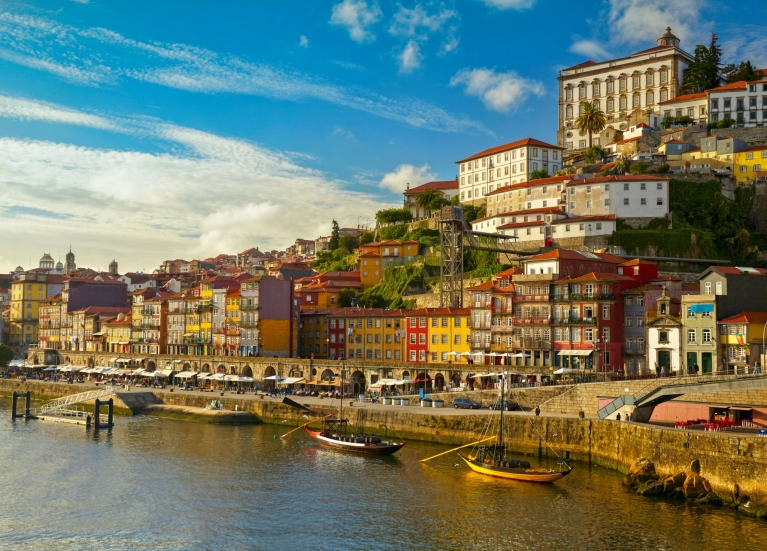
<point x="537" y="411"/>
<point x="657" y="373"/>
<point x="663" y="371"/>
<point x="618" y="417"/>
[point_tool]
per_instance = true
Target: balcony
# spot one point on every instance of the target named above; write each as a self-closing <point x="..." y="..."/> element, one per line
<point x="561" y="297"/>
<point x="502" y="310"/>
<point x="145" y="311"/>
<point x="531" y="343"/>
<point x="250" y="307"/>
<point x="231" y="331"/>
<point x="531" y="298"/>
<point x="574" y="321"/>
<point x="633" y="351"/>
<point x="502" y="328"/>
<point x="248" y="323"/>
<point x="531" y="321"/>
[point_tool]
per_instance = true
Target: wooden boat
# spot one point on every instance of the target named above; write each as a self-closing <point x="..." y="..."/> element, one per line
<point x="333" y="436"/>
<point x="513" y="470"/>
<point x="491" y="460"/>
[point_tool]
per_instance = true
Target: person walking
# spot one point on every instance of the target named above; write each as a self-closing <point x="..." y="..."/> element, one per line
<point x="618" y="417"/>
<point x="537" y="411"/>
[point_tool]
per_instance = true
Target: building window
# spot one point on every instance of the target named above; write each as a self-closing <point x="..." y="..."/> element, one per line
<point x="691" y="333"/>
<point x="707" y="336"/>
<point x="626" y="201"/>
<point x="643" y="201"/>
<point x="718" y="287"/>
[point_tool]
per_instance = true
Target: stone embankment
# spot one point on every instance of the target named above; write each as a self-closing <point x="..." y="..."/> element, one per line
<point x="728" y="458"/>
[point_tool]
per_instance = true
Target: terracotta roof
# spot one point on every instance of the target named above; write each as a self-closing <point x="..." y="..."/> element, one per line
<point x="370" y="255"/>
<point x="685" y="97"/>
<point x="739" y="85"/>
<point x="627" y="140"/>
<point x="761" y="147"/>
<point x="733" y="270"/>
<point x="508" y="272"/>
<point x="584" y="64"/>
<point x="616" y="178"/>
<point x="511" y="145"/>
<point x="637" y="262"/>
<point x="531" y="183"/>
<point x="447" y="311"/>
<point x="442" y="185"/>
<point x="488" y="285"/>
<point x="747" y="317"/>
<point x="563" y="254"/>
<point x="547" y="210"/>
<point x="611" y="258"/>
<point x="654" y="49"/>
<point x="675" y="141"/>
<point x="594" y="218"/>
<point x="690" y="287"/>
<point x="521" y="224"/>
<point x="643" y="125"/>
<point x="594" y="276"/>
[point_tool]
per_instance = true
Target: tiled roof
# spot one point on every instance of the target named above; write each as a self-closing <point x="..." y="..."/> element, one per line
<point x="616" y="178"/>
<point x="488" y="285"/>
<point x="594" y="218"/>
<point x="562" y="254"/>
<point x="747" y="317"/>
<point x="637" y="262"/>
<point x="531" y="183"/>
<point x="441" y="185"/>
<point x="521" y="224"/>
<point x="733" y="270"/>
<point x="512" y="145"/>
<point x="547" y="210"/>
<point x="739" y="85"/>
<point x="594" y="276"/>
<point x="686" y="97"/>
<point x="580" y="65"/>
<point x="761" y="147"/>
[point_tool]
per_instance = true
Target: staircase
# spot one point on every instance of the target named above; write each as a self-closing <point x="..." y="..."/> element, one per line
<point x="61" y="404"/>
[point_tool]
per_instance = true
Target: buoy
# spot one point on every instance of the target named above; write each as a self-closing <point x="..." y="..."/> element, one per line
<point x="275" y="437"/>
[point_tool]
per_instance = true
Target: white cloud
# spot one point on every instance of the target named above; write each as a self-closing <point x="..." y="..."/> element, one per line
<point x="449" y="45"/>
<point x="748" y="42"/>
<point x="418" y="23"/>
<point x="642" y="21"/>
<point x="343" y="132"/>
<point x="143" y="207"/>
<point x="590" y="49"/>
<point x="357" y="16"/>
<point x="510" y="4"/>
<point x="303" y="42"/>
<point x="498" y="91"/>
<point x="410" y="58"/>
<point x="397" y="180"/>
<point x="97" y="56"/>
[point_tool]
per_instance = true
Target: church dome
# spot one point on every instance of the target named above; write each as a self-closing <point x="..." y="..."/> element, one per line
<point x="19" y="269"/>
<point x="668" y="38"/>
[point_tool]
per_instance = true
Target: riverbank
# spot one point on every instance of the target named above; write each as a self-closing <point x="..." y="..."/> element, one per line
<point x="727" y="458"/>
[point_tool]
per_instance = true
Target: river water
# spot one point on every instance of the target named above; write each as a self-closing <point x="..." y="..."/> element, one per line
<point x="160" y="484"/>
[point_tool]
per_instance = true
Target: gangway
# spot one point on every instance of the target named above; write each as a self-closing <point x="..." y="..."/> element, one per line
<point x="73" y="399"/>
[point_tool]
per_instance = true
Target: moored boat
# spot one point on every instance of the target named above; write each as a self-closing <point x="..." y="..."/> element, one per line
<point x="333" y="435"/>
<point x="512" y="469"/>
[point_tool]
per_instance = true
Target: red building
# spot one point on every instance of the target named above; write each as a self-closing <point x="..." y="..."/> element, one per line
<point x="417" y="336"/>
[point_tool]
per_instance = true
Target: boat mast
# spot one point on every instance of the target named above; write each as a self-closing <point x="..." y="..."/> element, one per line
<point x="341" y="415"/>
<point x="503" y="395"/>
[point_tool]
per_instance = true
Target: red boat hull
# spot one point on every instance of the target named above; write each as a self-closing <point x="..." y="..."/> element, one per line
<point x="352" y="447"/>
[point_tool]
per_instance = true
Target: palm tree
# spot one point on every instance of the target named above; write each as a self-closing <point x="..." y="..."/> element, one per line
<point x="426" y="198"/>
<point x="591" y="120"/>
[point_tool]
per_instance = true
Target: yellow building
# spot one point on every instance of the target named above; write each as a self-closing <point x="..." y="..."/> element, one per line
<point x="368" y="334"/>
<point x="375" y="257"/>
<point x="313" y="333"/>
<point x="449" y="334"/>
<point x="27" y="292"/>
<point x="195" y="344"/>
<point x="750" y="163"/>
<point x="740" y="337"/>
<point x="232" y="324"/>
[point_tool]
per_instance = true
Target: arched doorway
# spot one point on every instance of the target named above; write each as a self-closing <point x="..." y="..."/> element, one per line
<point x="405" y="375"/>
<point x="205" y="368"/>
<point x="187" y="367"/>
<point x="269" y="372"/>
<point x="423" y="380"/>
<point x="151" y="366"/>
<point x="34" y="360"/>
<point x="358" y="383"/>
<point x="221" y="369"/>
<point x="91" y="362"/>
<point x="327" y="375"/>
<point x="247" y="371"/>
<point x="439" y="382"/>
<point x="232" y="369"/>
<point x="455" y="380"/>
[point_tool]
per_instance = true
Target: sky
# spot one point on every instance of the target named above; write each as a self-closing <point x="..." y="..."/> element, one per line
<point x="146" y="130"/>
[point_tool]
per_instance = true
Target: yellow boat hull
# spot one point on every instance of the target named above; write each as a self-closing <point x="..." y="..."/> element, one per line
<point x="524" y="475"/>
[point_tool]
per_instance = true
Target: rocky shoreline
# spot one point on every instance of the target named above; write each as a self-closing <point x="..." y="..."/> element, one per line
<point x="645" y="481"/>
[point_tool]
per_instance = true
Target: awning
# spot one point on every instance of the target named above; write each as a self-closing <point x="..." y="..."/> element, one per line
<point x="49" y="369"/>
<point x="292" y="380"/>
<point x="386" y="382"/>
<point x="177" y="361"/>
<point x="189" y="334"/>
<point x="100" y="333"/>
<point x="403" y="382"/>
<point x="740" y="408"/>
<point x="562" y="371"/>
<point x="575" y="352"/>
<point x="186" y="374"/>
<point x="484" y="375"/>
<point x="113" y="360"/>
<point x="273" y="378"/>
<point x="163" y="373"/>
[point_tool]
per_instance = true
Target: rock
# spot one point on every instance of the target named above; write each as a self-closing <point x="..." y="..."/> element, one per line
<point x="693" y="486"/>
<point x="673" y="482"/>
<point x="707" y="485"/>
<point x="679" y="478"/>
<point x="735" y="493"/>
<point x="695" y="466"/>
<point x="677" y="493"/>
<point x="642" y="465"/>
<point x="652" y="488"/>
<point x="710" y="499"/>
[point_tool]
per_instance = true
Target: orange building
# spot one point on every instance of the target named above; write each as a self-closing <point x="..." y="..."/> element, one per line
<point x="323" y="290"/>
<point x="375" y="257"/>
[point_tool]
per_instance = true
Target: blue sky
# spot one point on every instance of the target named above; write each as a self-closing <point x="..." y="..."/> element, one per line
<point x="149" y="130"/>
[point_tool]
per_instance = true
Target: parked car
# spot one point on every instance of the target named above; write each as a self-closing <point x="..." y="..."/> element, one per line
<point x="505" y="405"/>
<point x="465" y="403"/>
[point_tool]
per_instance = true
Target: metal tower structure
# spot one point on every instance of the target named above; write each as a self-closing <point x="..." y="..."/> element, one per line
<point x="455" y="237"/>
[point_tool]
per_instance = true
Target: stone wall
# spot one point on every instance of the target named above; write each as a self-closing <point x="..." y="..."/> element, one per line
<point x="753" y="136"/>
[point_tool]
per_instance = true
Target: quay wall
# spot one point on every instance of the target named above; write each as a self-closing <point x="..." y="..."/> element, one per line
<point x="726" y="458"/>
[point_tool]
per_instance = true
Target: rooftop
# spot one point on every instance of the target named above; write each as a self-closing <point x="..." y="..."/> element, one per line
<point x="508" y="146"/>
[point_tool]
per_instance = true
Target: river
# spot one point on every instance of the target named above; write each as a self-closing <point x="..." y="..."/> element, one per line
<point x="160" y="484"/>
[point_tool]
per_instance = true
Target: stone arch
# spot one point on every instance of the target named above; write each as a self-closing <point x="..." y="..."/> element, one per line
<point x="423" y="380"/>
<point x="221" y="368"/>
<point x="151" y="366"/>
<point x="205" y="368"/>
<point x="34" y="359"/>
<point x="269" y="372"/>
<point x="327" y="375"/>
<point x="187" y="366"/>
<point x="91" y="362"/>
<point x="232" y="369"/>
<point x="405" y="374"/>
<point x="66" y="360"/>
<point x="439" y="381"/>
<point x="103" y="363"/>
<point x="358" y="383"/>
<point x="246" y="371"/>
<point x="456" y="379"/>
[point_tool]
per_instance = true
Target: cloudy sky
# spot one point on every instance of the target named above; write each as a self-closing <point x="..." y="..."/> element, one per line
<point x="148" y="130"/>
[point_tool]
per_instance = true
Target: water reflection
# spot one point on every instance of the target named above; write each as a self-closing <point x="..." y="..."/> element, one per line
<point x="161" y="484"/>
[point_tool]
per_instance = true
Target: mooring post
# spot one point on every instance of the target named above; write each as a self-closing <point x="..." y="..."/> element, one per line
<point x="96" y="423"/>
<point x="110" y="412"/>
<point x="28" y="404"/>
<point x="14" y="400"/>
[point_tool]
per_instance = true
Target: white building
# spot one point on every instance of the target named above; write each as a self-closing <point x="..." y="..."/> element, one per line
<point x="746" y="102"/>
<point x="503" y="166"/>
<point x="664" y="337"/>
<point x="638" y="196"/>
<point x="627" y="89"/>
<point x="694" y="106"/>
<point x="535" y="194"/>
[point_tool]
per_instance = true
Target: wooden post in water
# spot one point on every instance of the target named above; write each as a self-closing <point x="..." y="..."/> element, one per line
<point x="14" y="400"/>
<point x="28" y="404"/>
<point x="96" y="411"/>
<point x="110" y="412"/>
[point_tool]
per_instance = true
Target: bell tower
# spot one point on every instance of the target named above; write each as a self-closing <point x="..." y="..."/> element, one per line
<point x="70" y="265"/>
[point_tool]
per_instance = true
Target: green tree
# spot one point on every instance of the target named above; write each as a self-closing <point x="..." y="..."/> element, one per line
<point x="639" y="167"/>
<point x="683" y="120"/>
<point x="622" y="166"/>
<point x="704" y="70"/>
<point x="367" y="237"/>
<point x="743" y="71"/>
<point x="335" y="237"/>
<point x="393" y="216"/>
<point x="349" y="242"/>
<point x="591" y="120"/>
<point x="667" y="121"/>
<point x="471" y="213"/>
<point x="346" y="297"/>
<point x="726" y="122"/>
<point x="437" y="203"/>
<point x="538" y="174"/>
<point x="6" y="355"/>
<point x="592" y="153"/>
<point x="426" y="198"/>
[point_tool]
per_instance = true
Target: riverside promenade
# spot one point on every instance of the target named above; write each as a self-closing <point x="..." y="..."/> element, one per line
<point x="728" y="457"/>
